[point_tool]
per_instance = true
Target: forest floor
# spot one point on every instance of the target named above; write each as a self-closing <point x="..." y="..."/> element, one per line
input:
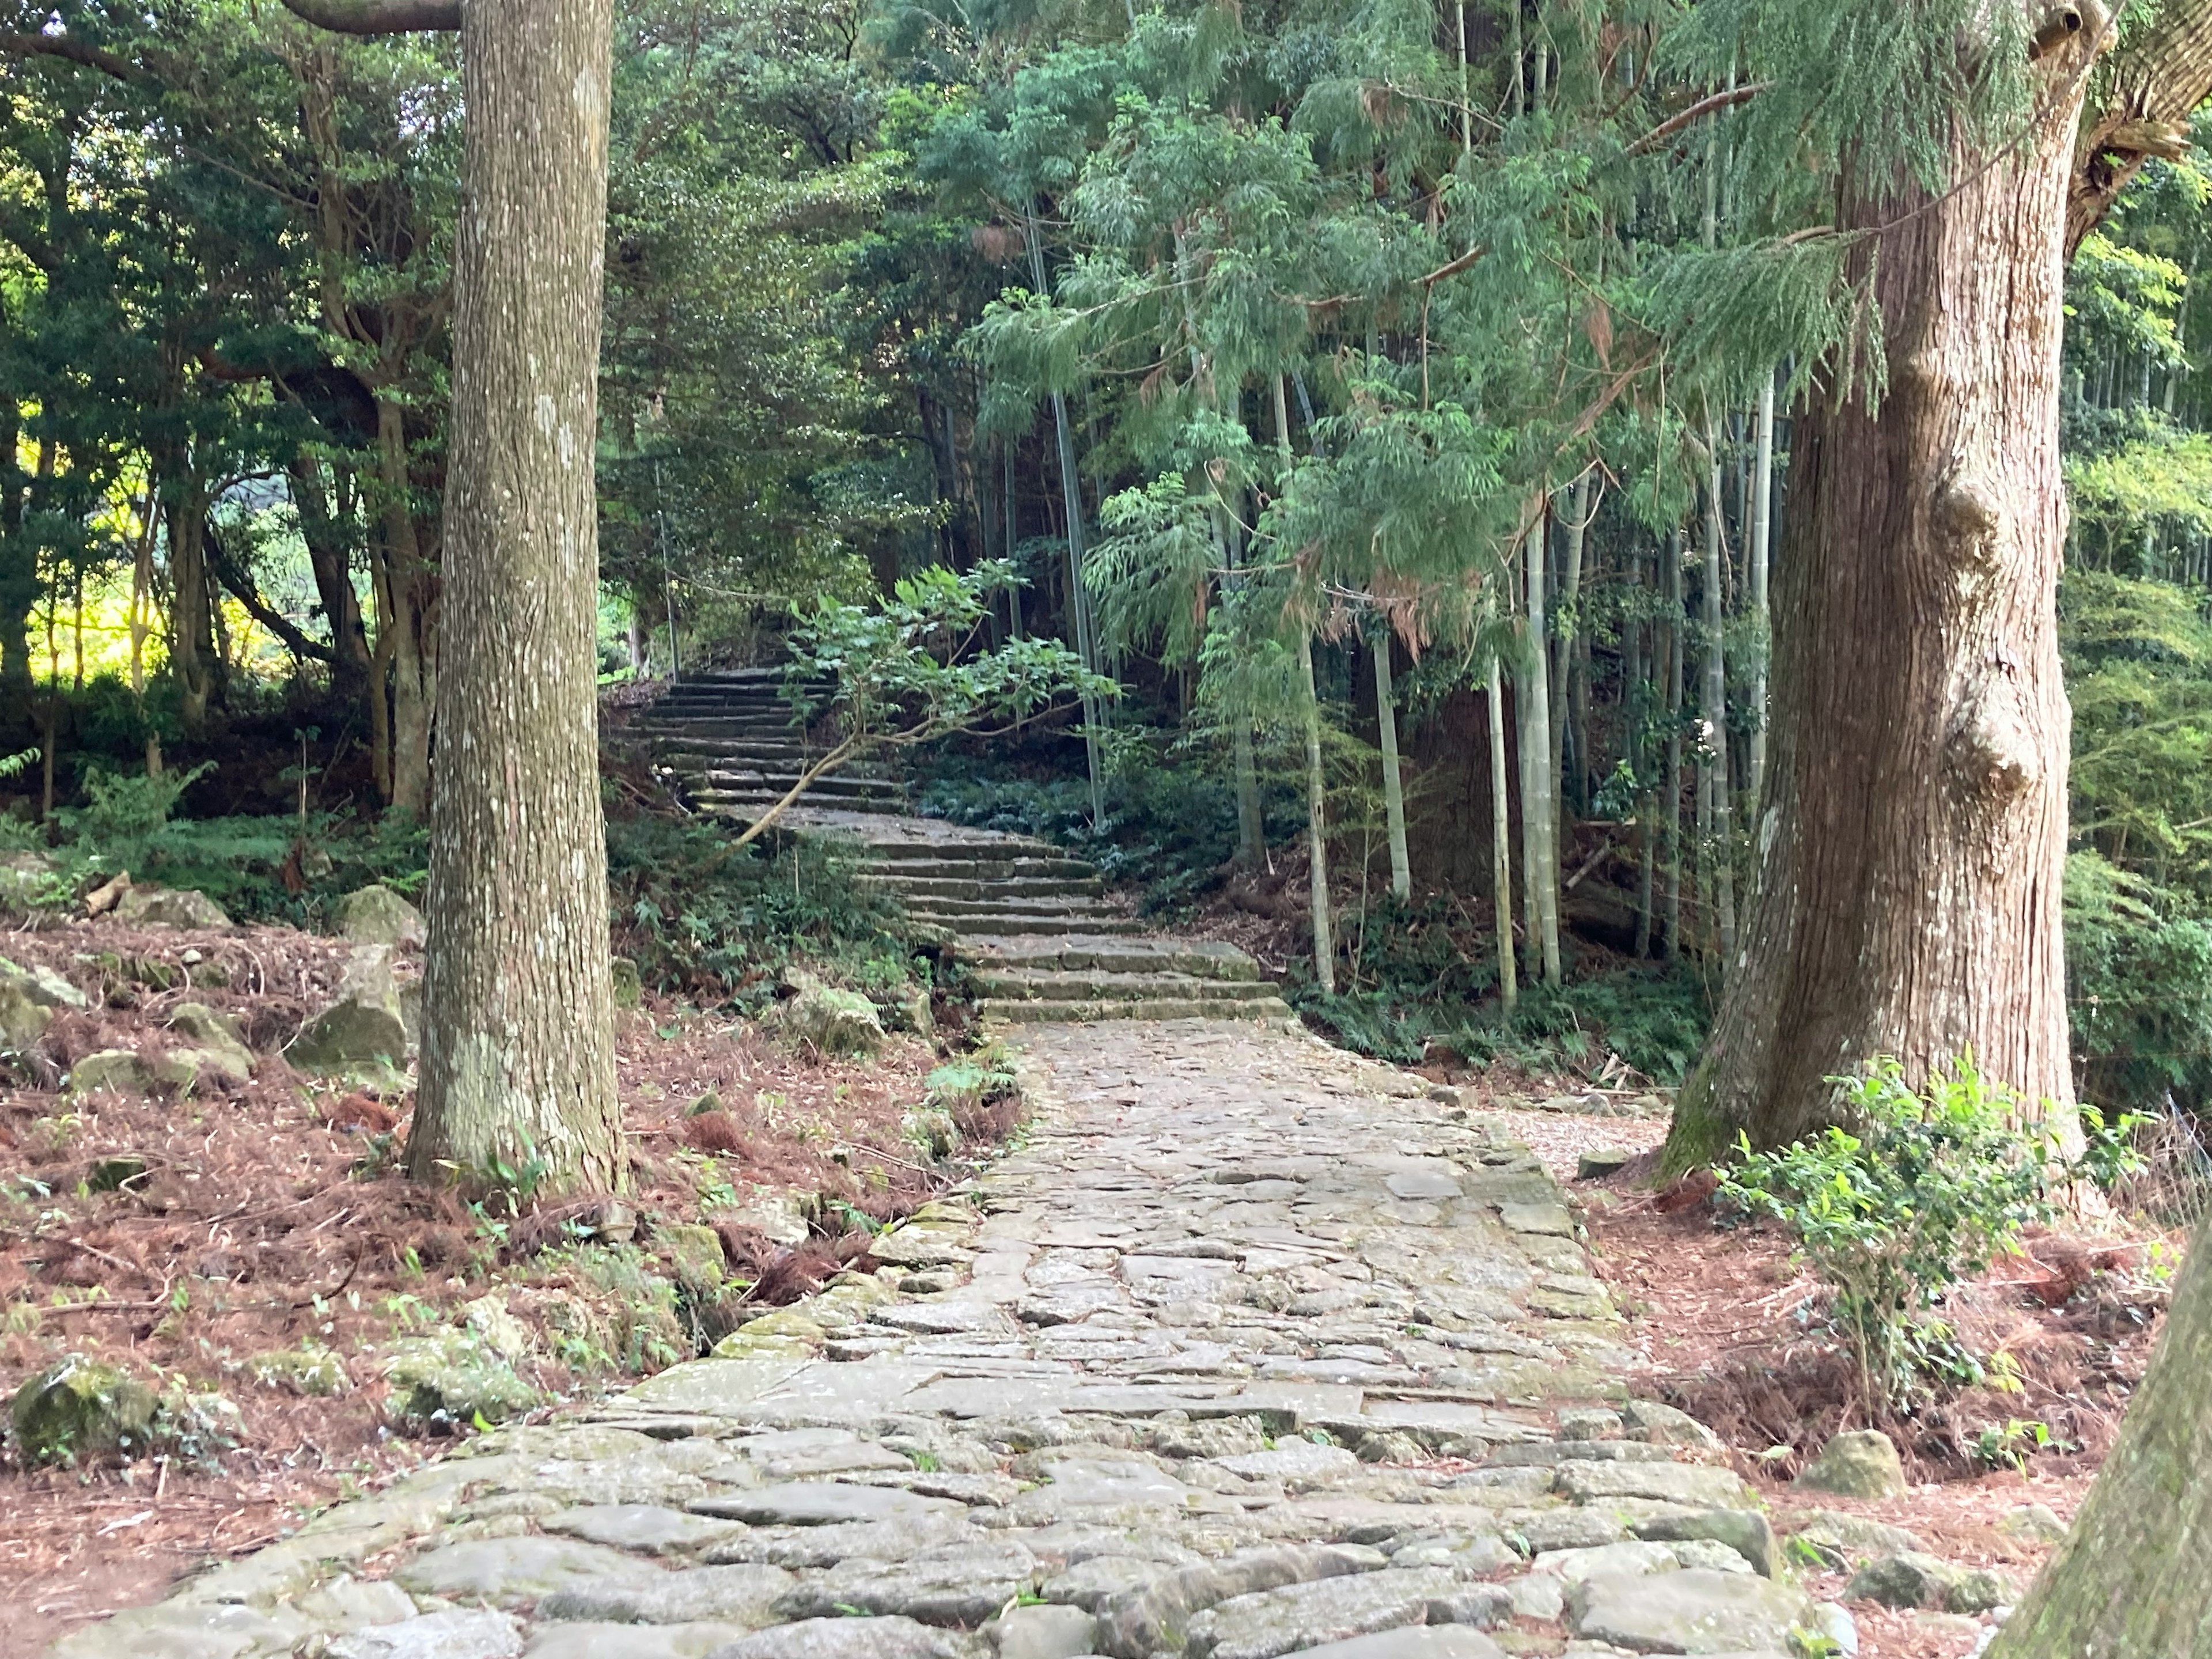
<point x="1722" y="1316"/>
<point x="212" y="1241"/>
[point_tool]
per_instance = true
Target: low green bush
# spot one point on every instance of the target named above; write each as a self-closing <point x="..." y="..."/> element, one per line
<point x="1932" y="1186"/>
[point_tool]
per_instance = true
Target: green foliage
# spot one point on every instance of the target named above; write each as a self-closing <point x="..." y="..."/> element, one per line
<point x="701" y="916"/>
<point x="2139" y="986"/>
<point x="1932" y="1188"/>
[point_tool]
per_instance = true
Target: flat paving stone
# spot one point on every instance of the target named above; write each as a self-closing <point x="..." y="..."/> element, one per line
<point x="823" y="1503"/>
<point x="648" y="1529"/>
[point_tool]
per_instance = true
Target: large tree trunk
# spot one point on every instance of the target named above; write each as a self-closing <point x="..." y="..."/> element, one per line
<point x="1910" y="846"/>
<point x="518" y="1046"/>
<point x="191" y="634"/>
<point x="2131" y="1578"/>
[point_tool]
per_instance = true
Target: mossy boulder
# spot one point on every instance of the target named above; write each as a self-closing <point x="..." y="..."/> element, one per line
<point x="1862" y="1463"/>
<point x="377" y="915"/>
<point x="22" y="1021"/>
<point x="43" y="985"/>
<point x="829" y="1021"/>
<point x="169" y="907"/>
<point x="628" y="984"/>
<point x="126" y="1072"/>
<point x="695" y="1253"/>
<point x="315" y="1371"/>
<point x="77" y="1409"/>
<point x="441" y="1383"/>
<point x="363" y="1026"/>
<point x="218" y="1046"/>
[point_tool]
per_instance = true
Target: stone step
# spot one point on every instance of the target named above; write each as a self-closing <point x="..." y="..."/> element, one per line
<point x="1071" y="913"/>
<point x="991" y="890"/>
<point x="746" y="805"/>
<point x="1021" y="868"/>
<point x="1012" y="1013"/>
<point x="1200" y="958"/>
<point x="829" y="791"/>
<point x="972" y="927"/>
<point x="974" y="847"/>
<point x="1119" y="988"/>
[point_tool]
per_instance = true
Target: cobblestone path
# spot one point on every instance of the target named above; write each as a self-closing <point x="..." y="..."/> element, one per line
<point x="1252" y="1349"/>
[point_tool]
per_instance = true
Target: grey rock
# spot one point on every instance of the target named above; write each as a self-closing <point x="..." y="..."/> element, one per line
<point x="827" y="1020"/>
<point x="844" y="1639"/>
<point x="1710" y="1554"/>
<point x="23" y="1020"/>
<point x="376" y="915"/>
<point x="1674" y="1483"/>
<point x="1599" y="1162"/>
<point x="515" y="1571"/>
<point x="1839" y="1540"/>
<point x="1747" y="1532"/>
<point x="1537" y="1596"/>
<point x="362" y="1025"/>
<point x="1572" y="1566"/>
<point x="347" y="1603"/>
<point x="1650" y="1420"/>
<point x="42" y="984"/>
<point x="1136" y="1623"/>
<point x="1916" y="1580"/>
<point x="1693" y="1611"/>
<point x="480" y="1634"/>
<point x="648" y="1529"/>
<point x="1590" y="1423"/>
<point x="124" y="1071"/>
<point x="1043" y="1632"/>
<point x="1222" y="1438"/>
<point x="827" y="1545"/>
<point x="448" y="1379"/>
<point x="1270" y="1623"/>
<point x="594" y="1641"/>
<point x="215" y="1038"/>
<point x="1862" y="1463"/>
<point x="956" y="1585"/>
<point x="169" y="907"/>
<point x="823" y="1503"/>
<point x="742" y="1596"/>
<point x="1569" y="1529"/>
<point x="173" y="1631"/>
<point x="1453" y="1641"/>
<point x="77" y="1409"/>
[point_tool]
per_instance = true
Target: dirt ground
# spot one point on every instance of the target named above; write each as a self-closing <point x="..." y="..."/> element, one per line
<point x="266" y="1218"/>
<point x="1723" y="1314"/>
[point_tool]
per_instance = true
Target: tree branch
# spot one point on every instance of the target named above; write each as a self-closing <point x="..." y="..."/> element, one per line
<point x="1673" y="124"/>
<point x="74" y="50"/>
<point x="242" y="586"/>
<point x="2159" y="74"/>
<point x="378" y="17"/>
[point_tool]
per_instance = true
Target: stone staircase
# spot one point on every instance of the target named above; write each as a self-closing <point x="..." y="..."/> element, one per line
<point x="1032" y="924"/>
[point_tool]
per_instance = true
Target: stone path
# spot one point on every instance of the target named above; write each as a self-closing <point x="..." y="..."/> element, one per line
<point x="1252" y="1349"/>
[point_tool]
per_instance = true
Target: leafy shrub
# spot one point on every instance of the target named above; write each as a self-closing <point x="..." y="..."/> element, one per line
<point x="697" y="914"/>
<point x="2139" y="971"/>
<point x="1935" y="1185"/>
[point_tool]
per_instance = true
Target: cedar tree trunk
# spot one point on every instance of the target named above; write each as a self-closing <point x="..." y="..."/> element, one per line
<point x="2130" y="1582"/>
<point x="1910" y="849"/>
<point x="518" y="1046"/>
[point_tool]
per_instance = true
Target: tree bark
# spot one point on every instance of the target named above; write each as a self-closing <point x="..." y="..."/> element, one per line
<point x="1716" y="816"/>
<point x="190" y="631"/>
<point x="1671" y="783"/>
<point x="369" y="17"/>
<point x="2157" y="78"/>
<point x="1501" y="843"/>
<point x="2130" y="1579"/>
<point x="1762" y="528"/>
<point x="1911" y="847"/>
<point x="1317" y="829"/>
<point x="1574" y="510"/>
<point x="1540" y="809"/>
<point x="1393" y="789"/>
<point x="518" y="1045"/>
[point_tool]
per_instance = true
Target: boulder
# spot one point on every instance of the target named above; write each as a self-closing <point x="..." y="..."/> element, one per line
<point x="1693" y="1611"/>
<point x="218" y="1046"/>
<point x="76" y="1409"/>
<point x="696" y="1254"/>
<point x="362" y="1025"/>
<point x="829" y="1021"/>
<point x="126" y="1072"/>
<point x="169" y="907"/>
<point x="43" y="985"/>
<point x="22" y="1021"/>
<point x="377" y="915"/>
<point x="628" y="984"/>
<point x="2037" y="1522"/>
<point x="1862" y="1463"/>
<point x="1911" y="1579"/>
<point x="444" y="1382"/>
<point x="1648" y="1420"/>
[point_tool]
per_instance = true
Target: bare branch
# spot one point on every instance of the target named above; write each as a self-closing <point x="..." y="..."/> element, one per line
<point x="378" y="17"/>
<point x="1673" y="124"/>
